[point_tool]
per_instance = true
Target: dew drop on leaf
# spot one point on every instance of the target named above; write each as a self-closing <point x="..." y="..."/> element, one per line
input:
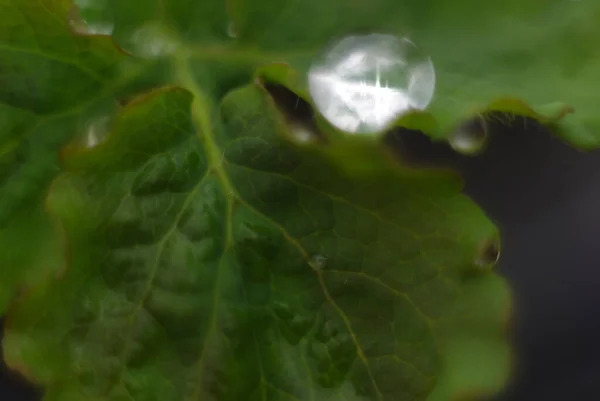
<point x="363" y="83"/>
<point x="470" y="138"/>
<point x="96" y="131"/>
<point x="152" y="41"/>
<point x="88" y="17"/>
<point x="302" y="134"/>
<point x="489" y="253"/>
<point x="317" y="262"/>
<point x="231" y="31"/>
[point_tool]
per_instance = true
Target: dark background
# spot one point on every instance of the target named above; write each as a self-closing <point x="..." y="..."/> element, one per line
<point x="545" y="197"/>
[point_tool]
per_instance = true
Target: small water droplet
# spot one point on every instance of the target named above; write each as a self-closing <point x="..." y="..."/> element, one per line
<point x="317" y="262"/>
<point x="302" y="134"/>
<point x="231" y="30"/>
<point x="489" y="253"/>
<point x="88" y="17"/>
<point x="471" y="137"/>
<point x="96" y="131"/>
<point x="153" y="41"/>
<point x="364" y="83"/>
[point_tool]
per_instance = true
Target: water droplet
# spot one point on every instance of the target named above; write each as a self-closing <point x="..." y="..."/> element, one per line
<point x="231" y="30"/>
<point x="317" y="262"/>
<point x="471" y="137"/>
<point x="302" y="134"/>
<point x="88" y="17"/>
<point x="489" y="253"/>
<point x="363" y="83"/>
<point x="152" y="41"/>
<point x="96" y="131"/>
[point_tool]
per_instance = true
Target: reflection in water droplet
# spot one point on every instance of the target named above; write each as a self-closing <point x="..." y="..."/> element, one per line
<point x="96" y="131"/>
<point x="231" y="31"/>
<point x="489" y="253"/>
<point x="317" y="262"/>
<point x="471" y="137"/>
<point x="363" y="83"/>
<point x="88" y="18"/>
<point x="153" y="41"/>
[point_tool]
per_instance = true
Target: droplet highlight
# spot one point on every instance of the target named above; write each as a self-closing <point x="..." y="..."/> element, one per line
<point x="363" y="83"/>
<point x="317" y="262"/>
<point x="470" y="138"/>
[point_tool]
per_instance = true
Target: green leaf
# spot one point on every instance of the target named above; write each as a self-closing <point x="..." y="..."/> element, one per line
<point x="267" y="274"/>
<point x="48" y="78"/>
<point x="198" y="253"/>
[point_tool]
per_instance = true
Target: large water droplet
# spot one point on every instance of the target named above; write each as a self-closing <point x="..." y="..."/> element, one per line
<point x="471" y="137"/>
<point x="363" y="83"/>
<point x="152" y="41"/>
<point x="317" y="262"/>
